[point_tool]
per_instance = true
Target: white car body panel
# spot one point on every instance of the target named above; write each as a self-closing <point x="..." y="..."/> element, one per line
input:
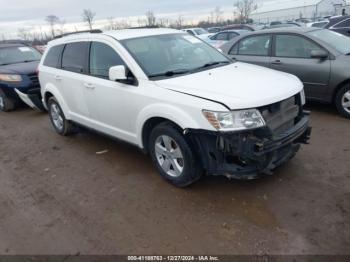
<point x="121" y="110"/>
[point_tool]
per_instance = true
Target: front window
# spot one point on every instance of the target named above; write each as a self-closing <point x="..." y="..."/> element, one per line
<point x="18" y="54"/>
<point x="173" y="54"/>
<point x="338" y="41"/>
<point x="255" y="45"/>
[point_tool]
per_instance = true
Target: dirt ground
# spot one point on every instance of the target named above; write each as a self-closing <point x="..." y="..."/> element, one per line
<point x="57" y="196"/>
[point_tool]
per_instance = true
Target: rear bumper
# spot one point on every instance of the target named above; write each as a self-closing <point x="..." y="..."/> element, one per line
<point x="248" y="155"/>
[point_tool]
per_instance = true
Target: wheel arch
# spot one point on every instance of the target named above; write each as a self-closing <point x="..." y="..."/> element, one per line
<point x="157" y="114"/>
<point x="339" y="86"/>
<point x="51" y="91"/>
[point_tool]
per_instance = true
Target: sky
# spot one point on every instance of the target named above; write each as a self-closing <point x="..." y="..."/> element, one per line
<point x="16" y="14"/>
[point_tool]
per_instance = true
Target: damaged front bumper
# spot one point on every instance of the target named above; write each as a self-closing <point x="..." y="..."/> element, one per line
<point x="32" y="98"/>
<point x="248" y="154"/>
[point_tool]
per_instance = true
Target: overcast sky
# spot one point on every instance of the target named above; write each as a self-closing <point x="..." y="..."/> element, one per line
<point x="19" y="13"/>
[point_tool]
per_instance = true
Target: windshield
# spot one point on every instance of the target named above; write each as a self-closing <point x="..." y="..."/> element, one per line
<point x="338" y="41"/>
<point x="172" y="54"/>
<point x="200" y="31"/>
<point x="18" y="54"/>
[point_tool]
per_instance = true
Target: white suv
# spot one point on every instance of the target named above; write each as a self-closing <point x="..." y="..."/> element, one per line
<point x="177" y="98"/>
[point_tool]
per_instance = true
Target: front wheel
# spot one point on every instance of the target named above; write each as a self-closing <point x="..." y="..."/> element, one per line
<point x="6" y="103"/>
<point x="342" y="101"/>
<point x="173" y="156"/>
<point x="62" y="126"/>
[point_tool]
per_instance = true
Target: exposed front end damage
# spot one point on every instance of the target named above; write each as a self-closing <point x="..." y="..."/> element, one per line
<point x="250" y="154"/>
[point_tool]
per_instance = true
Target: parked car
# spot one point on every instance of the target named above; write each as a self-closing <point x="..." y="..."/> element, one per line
<point x="223" y="37"/>
<point x="282" y="25"/>
<point x="340" y="24"/>
<point x="18" y="76"/>
<point x="213" y="30"/>
<point x="319" y="24"/>
<point x="240" y="27"/>
<point x="319" y="57"/>
<point x="198" y="32"/>
<point x="178" y="99"/>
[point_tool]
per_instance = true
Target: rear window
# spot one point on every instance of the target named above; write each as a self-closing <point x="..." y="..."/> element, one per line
<point x="53" y="55"/>
<point x="75" y="56"/>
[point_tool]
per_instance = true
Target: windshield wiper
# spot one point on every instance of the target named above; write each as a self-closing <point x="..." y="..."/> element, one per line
<point x="212" y="64"/>
<point x="28" y="61"/>
<point x="171" y="73"/>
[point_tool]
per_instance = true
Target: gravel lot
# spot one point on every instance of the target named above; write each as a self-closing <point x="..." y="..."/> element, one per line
<point x="57" y="196"/>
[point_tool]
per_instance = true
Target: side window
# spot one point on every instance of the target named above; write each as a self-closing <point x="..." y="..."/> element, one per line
<point x="255" y="45"/>
<point x="234" y="50"/>
<point x="102" y="58"/>
<point x="294" y="46"/>
<point x="74" y="57"/>
<point x="222" y="36"/>
<point x="53" y="55"/>
<point x="232" y="35"/>
<point x="345" y="23"/>
<point x="190" y="32"/>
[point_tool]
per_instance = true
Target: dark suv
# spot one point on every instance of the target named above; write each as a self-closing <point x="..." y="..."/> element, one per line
<point x="18" y="76"/>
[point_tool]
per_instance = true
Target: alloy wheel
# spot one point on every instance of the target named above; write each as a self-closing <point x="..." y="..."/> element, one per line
<point x="169" y="156"/>
<point x="57" y="117"/>
<point x="346" y="102"/>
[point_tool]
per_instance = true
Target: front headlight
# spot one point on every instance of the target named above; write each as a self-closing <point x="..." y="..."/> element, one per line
<point x="10" y="78"/>
<point x="235" y="120"/>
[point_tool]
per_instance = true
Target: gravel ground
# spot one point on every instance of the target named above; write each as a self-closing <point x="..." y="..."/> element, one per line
<point x="57" y="196"/>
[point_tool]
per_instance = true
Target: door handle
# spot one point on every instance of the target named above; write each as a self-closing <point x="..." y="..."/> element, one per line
<point x="277" y="62"/>
<point x="89" y="86"/>
<point x="58" y="78"/>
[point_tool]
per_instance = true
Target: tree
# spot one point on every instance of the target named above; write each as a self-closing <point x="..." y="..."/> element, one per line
<point x="52" y="20"/>
<point x="179" y="22"/>
<point x="151" y="18"/>
<point x="23" y="33"/>
<point x="218" y="14"/>
<point x="88" y="17"/>
<point x="245" y="8"/>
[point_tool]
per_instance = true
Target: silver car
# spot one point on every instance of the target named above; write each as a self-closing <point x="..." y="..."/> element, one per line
<point x="319" y="57"/>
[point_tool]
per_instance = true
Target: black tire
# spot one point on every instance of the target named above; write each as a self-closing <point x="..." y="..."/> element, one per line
<point x="339" y="98"/>
<point x="67" y="128"/>
<point x="191" y="168"/>
<point x="7" y="104"/>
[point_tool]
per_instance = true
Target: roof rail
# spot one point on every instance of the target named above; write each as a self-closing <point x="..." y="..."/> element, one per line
<point x="94" y="31"/>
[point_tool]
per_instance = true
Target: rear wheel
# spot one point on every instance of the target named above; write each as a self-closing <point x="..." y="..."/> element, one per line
<point x="173" y="156"/>
<point x="342" y="101"/>
<point x="62" y="126"/>
<point x="6" y="103"/>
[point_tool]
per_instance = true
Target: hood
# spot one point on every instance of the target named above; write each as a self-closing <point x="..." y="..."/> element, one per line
<point x="20" y="68"/>
<point x="238" y="85"/>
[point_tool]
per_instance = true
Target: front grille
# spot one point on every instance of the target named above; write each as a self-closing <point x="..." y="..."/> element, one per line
<point x="281" y="116"/>
<point x="34" y="78"/>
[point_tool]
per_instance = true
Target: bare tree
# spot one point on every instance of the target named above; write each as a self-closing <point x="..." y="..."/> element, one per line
<point x="179" y="21"/>
<point x="88" y="17"/>
<point x="62" y="24"/>
<point x="245" y="8"/>
<point x="151" y="18"/>
<point x="23" y="33"/>
<point x="52" y="20"/>
<point x="112" y="24"/>
<point x="218" y="14"/>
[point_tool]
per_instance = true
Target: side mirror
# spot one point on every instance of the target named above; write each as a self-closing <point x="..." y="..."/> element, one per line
<point x="117" y="73"/>
<point x="319" y="54"/>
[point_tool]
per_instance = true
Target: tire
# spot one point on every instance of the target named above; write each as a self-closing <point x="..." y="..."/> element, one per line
<point x="342" y="101"/>
<point x="7" y="104"/>
<point x="174" y="157"/>
<point x="61" y="125"/>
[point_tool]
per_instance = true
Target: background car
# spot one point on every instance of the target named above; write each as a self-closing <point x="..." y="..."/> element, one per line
<point x="18" y="76"/>
<point x="213" y="30"/>
<point x="319" y="24"/>
<point x="223" y="37"/>
<point x="240" y="27"/>
<point x="198" y="32"/>
<point x="319" y="57"/>
<point x="340" y="24"/>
